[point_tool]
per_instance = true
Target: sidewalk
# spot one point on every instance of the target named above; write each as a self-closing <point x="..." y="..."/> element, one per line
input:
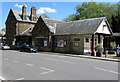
<point x="110" y="57"/>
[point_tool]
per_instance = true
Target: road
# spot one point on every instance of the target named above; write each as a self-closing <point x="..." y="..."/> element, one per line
<point x="51" y="66"/>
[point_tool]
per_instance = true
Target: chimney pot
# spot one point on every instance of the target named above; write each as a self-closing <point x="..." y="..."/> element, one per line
<point x="24" y="17"/>
<point x="33" y="16"/>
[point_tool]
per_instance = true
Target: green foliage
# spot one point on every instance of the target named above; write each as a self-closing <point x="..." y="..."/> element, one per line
<point x="93" y="10"/>
<point x="99" y="47"/>
<point x="45" y="15"/>
<point x="116" y="20"/>
<point x="3" y="29"/>
<point x="112" y="45"/>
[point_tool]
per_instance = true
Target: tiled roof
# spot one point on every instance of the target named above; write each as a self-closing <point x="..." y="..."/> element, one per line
<point x="18" y="15"/>
<point x="85" y="26"/>
<point x="51" y="23"/>
<point x="116" y="34"/>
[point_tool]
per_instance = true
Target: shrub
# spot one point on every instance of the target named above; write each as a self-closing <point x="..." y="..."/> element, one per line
<point x="112" y="45"/>
<point x="98" y="47"/>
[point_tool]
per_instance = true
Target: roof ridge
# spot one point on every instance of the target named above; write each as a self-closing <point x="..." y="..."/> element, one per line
<point x="85" y="19"/>
<point x="51" y="19"/>
<point x="19" y="11"/>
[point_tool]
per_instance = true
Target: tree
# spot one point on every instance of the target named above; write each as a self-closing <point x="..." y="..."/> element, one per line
<point x="45" y="15"/>
<point x="115" y="25"/>
<point x="3" y="29"/>
<point x="94" y="10"/>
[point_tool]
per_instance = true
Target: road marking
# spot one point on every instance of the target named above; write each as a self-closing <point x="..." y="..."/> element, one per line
<point x="30" y="65"/>
<point x="15" y="61"/>
<point x="107" y="70"/>
<point x="48" y="70"/>
<point x="20" y="79"/>
<point x="60" y="60"/>
<point x="2" y="78"/>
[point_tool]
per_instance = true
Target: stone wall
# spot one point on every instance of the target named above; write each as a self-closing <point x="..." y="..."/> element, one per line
<point x="41" y="30"/>
<point x="70" y="45"/>
<point x="22" y="26"/>
<point x="10" y="28"/>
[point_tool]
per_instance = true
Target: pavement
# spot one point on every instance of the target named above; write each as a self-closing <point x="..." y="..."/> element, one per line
<point x="55" y="66"/>
<point x="109" y="57"/>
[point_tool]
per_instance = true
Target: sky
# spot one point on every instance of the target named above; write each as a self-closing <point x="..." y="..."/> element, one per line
<point x="55" y="10"/>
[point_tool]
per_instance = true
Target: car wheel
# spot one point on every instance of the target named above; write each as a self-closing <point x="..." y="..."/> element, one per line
<point x="21" y="50"/>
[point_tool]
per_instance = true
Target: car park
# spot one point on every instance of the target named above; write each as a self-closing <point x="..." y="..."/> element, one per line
<point x="27" y="48"/>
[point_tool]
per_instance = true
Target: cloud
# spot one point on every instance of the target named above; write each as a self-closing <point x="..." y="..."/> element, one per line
<point x="19" y="6"/>
<point x="45" y="9"/>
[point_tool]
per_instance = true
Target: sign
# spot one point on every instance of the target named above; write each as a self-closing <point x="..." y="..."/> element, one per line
<point x="76" y="39"/>
<point x="13" y="42"/>
<point x="60" y="43"/>
<point x="76" y="44"/>
<point x="45" y="42"/>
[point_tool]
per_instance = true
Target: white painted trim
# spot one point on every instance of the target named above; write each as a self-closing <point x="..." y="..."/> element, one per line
<point x="103" y="28"/>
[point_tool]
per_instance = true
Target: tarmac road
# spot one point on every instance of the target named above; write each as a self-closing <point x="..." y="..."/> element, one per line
<point x="50" y="66"/>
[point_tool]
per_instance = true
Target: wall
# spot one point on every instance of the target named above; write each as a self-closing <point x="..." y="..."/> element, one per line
<point x="63" y="48"/>
<point x="74" y="44"/>
<point x="22" y="26"/>
<point x="10" y="28"/>
<point x="41" y="30"/>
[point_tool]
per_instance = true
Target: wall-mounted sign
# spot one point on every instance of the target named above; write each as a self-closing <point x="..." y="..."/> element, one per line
<point x="76" y="44"/>
<point x="60" y="43"/>
<point x="13" y="42"/>
<point x="45" y="42"/>
<point x="76" y="39"/>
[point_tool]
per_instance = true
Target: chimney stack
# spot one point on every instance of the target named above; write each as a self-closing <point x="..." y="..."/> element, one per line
<point x="33" y="16"/>
<point x="24" y="15"/>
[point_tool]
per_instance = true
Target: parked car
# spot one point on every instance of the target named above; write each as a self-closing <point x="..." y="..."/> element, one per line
<point x="18" y="46"/>
<point x="118" y="51"/>
<point x="27" y="48"/>
<point x="5" y="47"/>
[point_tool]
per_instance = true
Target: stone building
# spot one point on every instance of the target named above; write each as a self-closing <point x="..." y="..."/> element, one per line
<point x="81" y="36"/>
<point x="18" y="23"/>
<point x="42" y="33"/>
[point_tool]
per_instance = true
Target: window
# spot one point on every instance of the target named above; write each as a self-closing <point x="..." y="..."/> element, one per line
<point x="87" y="40"/>
<point x="61" y="43"/>
<point x="40" y="42"/>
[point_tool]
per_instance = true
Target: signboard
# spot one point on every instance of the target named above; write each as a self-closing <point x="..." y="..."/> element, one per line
<point x="76" y="44"/>
<point x="13" y="42"/>
<point x="45" y="42"/>
<point x="76" y="39"/>
<point x="60" y="43"/>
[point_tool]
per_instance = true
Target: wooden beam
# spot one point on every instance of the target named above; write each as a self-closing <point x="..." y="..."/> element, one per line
<point x="92" y="54"/>
<point x="104" y="45"/>
<point x="98" y="39"/>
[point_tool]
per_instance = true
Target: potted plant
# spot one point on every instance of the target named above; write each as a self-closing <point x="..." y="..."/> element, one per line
<point x="98" y="49"/>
